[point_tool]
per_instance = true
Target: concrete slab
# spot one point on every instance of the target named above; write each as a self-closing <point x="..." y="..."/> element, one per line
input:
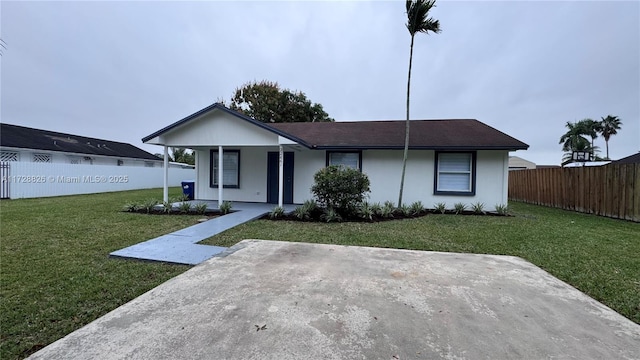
<point x="282" y="300"/>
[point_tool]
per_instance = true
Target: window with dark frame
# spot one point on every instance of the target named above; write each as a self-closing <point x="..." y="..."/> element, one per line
<point x="230" y="169"/>
<point x="352" y="159"/>
<point x="455" y="173"/>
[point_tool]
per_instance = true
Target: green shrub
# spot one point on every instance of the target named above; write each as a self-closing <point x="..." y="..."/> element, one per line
<point x="405" y="210"/>
<point x="302" y="213"/>
<point x="366" y="211"/>
<point x="200" y="208"/>
<point x="166" y="207"/>
<point x="331" y="215"/>
<point x="478" y="208"/>
<point x="184" y="207"/>
<point x="377" y="209"/>
<point x="440" y="207"/>
<point x="417" y="208"/>
<point x="148" y="205"/>
<point x="340" y="188"/>
<point x="276" y="213"/>
<point x="387" y="210"/>
<point x="502" y="209"/>
<point x="131" y="207"/>
<point x="225" y="208"/>
<point x="459" y="207"/>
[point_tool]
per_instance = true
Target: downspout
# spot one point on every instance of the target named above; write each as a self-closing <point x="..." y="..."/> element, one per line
<point x="220" y="172"/>
<point x="165" y="186"/>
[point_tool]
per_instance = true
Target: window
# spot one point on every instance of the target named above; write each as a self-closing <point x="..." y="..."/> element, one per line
<point x="230" y="169"/>
<point x="8" y="156"/>
<point x="348" y="159"/>
<point x="74" y="160"/>
<point x="41" y="158"/>
<point x="455" y="173"/>
<point x="120" y="162"/>
<point x="149" y="164"/>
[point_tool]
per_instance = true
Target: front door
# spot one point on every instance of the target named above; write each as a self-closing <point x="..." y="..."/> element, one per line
<point x="272" y="177"/>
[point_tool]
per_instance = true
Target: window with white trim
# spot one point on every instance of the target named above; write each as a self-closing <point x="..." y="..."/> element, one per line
<point x="230" y="169"/>
<point x="349" y="159"/>
<point x="455" y="173"/>
<point x="41" y="158"/>
<point x="8" y="156"/>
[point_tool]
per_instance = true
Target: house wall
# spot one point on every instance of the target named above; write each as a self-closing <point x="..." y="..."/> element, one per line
<point x="382" y="166"/>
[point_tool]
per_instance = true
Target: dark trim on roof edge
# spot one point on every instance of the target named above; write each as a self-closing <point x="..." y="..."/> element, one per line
<point x="228" y="111"/>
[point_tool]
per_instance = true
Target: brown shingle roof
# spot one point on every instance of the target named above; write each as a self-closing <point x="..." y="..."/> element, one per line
<point x="631" y="159"/>
<point x="462" y="134"/>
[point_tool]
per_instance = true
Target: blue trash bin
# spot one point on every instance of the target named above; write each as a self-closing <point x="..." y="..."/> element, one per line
<point x="188" y="187"/>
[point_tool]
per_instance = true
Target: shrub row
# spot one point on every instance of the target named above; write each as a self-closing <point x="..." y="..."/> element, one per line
<point x="370" y="212"/>
<point x="154" y="206"/>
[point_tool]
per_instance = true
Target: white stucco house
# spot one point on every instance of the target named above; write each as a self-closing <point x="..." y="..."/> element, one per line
<point x="25" y="144"/>
<point x="449" y="161"/>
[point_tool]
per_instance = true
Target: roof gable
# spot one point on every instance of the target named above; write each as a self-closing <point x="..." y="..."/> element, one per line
<point x="29" y="138"/>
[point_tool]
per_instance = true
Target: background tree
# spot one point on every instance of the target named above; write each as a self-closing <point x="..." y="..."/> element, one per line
<point x="180" y="155"/>
<point x="609" y="126"/>
<point x="590" y="128"/>
<point x="265" y="101"/>
<point x="418" y="21"/>
<point x="575" y="139"/>
<point x="183" y="155"/>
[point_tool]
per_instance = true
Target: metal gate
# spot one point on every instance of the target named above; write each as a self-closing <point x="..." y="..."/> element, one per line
<point x="5" y="179"/>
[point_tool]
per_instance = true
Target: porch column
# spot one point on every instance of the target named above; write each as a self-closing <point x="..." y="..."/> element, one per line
<point x="165" y="188"/>
<point x="280" y="176"/>
<point x="220" y="183"/>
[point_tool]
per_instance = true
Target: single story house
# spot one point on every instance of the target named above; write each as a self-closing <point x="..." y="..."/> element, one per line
<point x="631" y="159"/>
<point x="449" y="161"/>
<point x="518" y="163"/>
<point x="25" y="144"/>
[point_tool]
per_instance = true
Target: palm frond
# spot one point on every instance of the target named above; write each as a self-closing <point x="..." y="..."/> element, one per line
<point x="418" y="19"/>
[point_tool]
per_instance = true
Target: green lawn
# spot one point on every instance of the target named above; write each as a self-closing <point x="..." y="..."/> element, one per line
<point x="599" y="256"/>
<point x="55" y="274"/>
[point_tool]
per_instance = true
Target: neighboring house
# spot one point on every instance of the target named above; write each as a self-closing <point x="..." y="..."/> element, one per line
<point x="449" y="161"/>
<point x="518" y="163"/>
<point x="19" y="143"/>
<point x="631" y="159"/>
<point x="586" y="163"/>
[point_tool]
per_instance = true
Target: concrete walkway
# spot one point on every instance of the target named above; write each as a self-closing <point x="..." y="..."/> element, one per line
<point x="283" y="300"/>
<point x="181" y="246"/>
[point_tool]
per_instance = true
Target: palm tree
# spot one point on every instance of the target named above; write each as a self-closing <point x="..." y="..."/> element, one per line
<point x="590" y="128"/>
<point x="609" y="126"/>
<point x="418" y="21"/>
<point x="574" y="140"/>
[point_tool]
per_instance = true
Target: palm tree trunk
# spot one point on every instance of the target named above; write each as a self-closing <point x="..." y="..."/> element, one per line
<point x="406" y="131"/>
<point x="606" y="141"/>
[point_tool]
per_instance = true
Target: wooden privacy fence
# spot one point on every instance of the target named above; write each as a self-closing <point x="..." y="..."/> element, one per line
<point x="610" y="190"/>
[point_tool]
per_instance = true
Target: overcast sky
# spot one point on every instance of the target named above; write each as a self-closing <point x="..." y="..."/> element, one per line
<point x="122" y="70"/>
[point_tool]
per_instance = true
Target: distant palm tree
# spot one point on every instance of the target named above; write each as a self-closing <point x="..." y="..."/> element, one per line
<point x="609" y="126"/>
<point x="590" y="128"/>
<point x="573" y="139"/>
<point x="418" y="21"/>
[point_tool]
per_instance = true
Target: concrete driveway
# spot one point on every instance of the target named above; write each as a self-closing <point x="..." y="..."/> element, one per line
<point x="282" y="300"/>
